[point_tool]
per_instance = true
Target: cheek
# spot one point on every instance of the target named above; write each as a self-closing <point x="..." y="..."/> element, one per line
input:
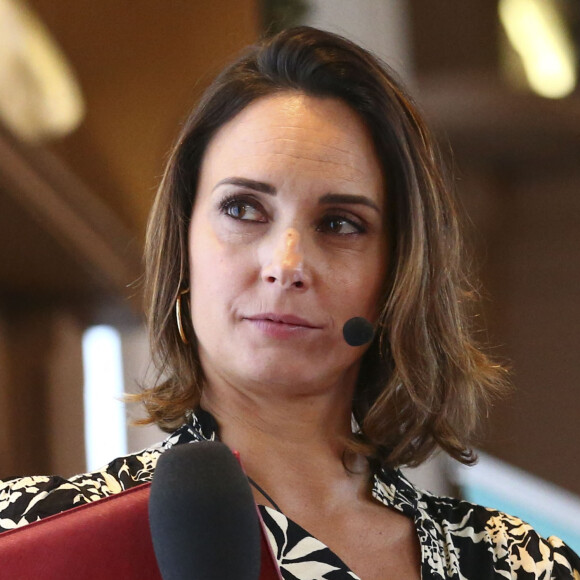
<point x="218" y="274"/>
<point x="201" y="256"/>
<point x="366" y="284"/>
<point x="206" y="271"/>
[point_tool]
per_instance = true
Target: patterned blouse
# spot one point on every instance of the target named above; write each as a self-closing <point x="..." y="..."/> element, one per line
<point x="458" y="540"/>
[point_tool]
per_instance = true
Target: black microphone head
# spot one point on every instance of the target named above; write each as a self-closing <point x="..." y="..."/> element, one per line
<point x="358" y="331"/>
<point x="202" y="515"/>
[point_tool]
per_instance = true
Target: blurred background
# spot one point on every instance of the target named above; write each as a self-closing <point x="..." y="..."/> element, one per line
<point x="92" y="95"/>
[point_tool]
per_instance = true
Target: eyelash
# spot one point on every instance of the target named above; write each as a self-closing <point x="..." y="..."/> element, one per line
<point x="357" y="225"/>
<point x="233" y="200"/>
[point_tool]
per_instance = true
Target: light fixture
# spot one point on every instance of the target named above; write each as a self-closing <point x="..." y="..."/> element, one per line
<point x="538" y="33"/>
<point x="39" y="95"/>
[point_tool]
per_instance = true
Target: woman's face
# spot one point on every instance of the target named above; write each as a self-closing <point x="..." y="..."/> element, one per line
<point x="287" y="242"/>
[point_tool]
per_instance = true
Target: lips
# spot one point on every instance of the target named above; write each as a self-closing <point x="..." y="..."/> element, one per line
<point x="287" y="319"/>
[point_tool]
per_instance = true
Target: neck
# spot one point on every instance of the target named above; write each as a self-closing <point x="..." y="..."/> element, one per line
<point x="289" y="445"/>
<point x="302" y="424"/>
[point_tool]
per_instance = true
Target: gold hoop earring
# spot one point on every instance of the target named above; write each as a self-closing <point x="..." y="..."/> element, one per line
<point x="180" y="328"/>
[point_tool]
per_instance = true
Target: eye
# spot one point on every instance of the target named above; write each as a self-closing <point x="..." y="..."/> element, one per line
<point x="243" y="209"/>
<point x="340" y="225"/>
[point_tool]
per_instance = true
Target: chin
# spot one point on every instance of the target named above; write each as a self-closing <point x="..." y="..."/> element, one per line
<point x="296" y="378"/>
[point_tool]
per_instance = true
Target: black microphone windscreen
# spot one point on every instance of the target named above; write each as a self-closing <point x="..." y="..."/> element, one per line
<point x="203" y="518"/>
<point x="358" y="331"/>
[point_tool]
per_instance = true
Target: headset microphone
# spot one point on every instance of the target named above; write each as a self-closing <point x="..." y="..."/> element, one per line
<point x="358" y="331"/>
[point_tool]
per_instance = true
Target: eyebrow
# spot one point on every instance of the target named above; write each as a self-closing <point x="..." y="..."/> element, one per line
<point x="349" y="198"/>
<point x="248" y="184"/>
<point x="326" y="199"/>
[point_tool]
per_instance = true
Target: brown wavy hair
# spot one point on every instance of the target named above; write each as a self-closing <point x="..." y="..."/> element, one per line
<point x="423" y="379"/>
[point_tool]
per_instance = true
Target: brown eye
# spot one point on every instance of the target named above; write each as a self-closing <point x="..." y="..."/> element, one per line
<point x="237" y="210"/>
<point x="243" y="210"/>
<point x="339" y="225"/>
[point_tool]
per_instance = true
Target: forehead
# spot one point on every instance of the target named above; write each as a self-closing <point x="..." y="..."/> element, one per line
<point x="317" y="137"/>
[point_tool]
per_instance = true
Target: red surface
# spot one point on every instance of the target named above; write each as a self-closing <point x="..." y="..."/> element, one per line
<point x="103" y="540"/>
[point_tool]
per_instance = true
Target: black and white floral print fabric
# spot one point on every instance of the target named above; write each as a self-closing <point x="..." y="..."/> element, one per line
<point x="458" y="540"/>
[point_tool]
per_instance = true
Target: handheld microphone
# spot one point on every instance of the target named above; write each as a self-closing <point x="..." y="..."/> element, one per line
<point x="358" y="331"/>
<point x="203" y="517"/>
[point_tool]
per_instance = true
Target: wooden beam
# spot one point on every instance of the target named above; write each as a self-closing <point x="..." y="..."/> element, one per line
<point x="71" y="213"/>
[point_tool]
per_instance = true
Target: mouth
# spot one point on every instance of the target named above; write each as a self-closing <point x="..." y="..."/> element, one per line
<point x="282" y="319"/>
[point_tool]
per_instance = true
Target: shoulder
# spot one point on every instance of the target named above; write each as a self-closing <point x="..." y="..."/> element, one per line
<point x="27" y="499"/>
<point x="473" y="538"/>
<point x="464" y="540"/>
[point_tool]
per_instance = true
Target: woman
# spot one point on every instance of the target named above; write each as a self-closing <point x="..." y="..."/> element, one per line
<point x="305" y="191"/>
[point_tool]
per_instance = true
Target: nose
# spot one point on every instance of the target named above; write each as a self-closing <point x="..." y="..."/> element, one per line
<point x="285" y="263"/>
